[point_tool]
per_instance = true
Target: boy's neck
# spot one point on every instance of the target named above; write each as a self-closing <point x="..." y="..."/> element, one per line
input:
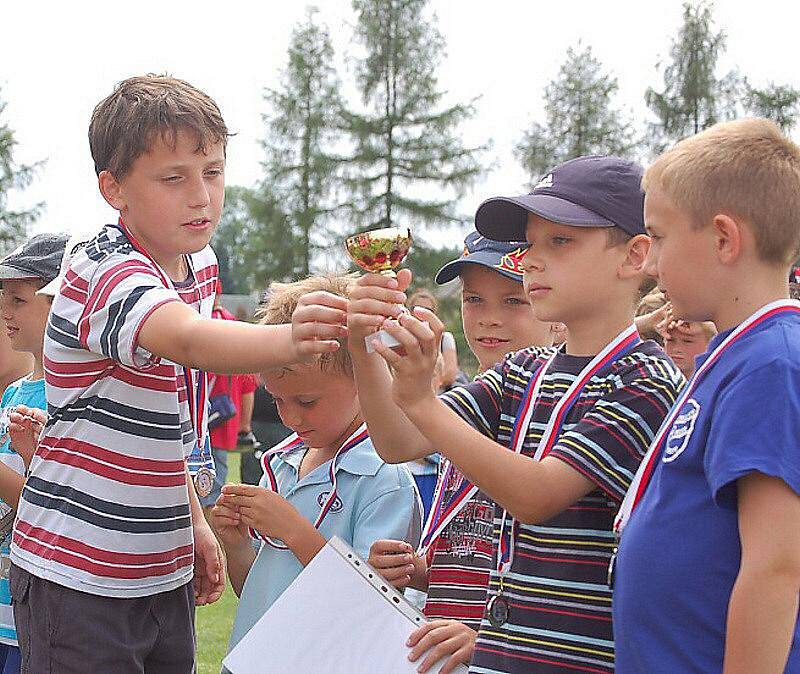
<point x="15" y="373"/>
<point x="588" y="337"/>
<point x="174" y="265"/>
<point x="38" y="367"/>
<point x="739" y="303"/>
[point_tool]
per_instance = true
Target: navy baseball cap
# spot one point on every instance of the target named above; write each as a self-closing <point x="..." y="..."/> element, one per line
<point x="593" y="191"/>
<point x="503" y="257"/>
<point x="39" y="258"/>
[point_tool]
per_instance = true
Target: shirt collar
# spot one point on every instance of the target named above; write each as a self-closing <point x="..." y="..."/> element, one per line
<point x="359" y="460"/>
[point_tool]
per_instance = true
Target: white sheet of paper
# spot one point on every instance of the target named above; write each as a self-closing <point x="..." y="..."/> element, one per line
<point x="333" y="619"/>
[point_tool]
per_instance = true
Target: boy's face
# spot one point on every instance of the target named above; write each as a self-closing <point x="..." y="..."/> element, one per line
<point x="568" y="270"/>
<point x="172" y="198"/>
<point x="684" y="344"/>
<point x="25" y="315"/>
<point x="681" y="257"/>
<point x="497" y="316"/>
<point x="319" y="406"/>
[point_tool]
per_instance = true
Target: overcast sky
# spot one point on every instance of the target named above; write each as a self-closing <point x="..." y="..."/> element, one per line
<point x="58" y="59"/>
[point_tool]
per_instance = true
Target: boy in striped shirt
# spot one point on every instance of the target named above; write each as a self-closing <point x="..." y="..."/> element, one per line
<point x="578" y="420"/>
<point x="110" y="543"/>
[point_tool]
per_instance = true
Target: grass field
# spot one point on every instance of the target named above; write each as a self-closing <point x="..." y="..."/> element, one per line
<point x="214" y="622"/>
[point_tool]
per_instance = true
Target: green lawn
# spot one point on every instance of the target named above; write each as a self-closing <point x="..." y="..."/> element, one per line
<point x="214" y="622"/>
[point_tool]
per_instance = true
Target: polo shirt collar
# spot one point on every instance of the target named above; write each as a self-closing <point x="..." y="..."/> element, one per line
<point x="359" y="460"/>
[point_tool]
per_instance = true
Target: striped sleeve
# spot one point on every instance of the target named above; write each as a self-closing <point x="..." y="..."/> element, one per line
<point x="121" y="297"/>
<point x="609" y="441"/>
<point x="478" y="403"/>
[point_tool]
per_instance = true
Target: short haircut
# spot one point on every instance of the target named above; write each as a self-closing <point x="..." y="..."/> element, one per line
<point x="746" y="169"/>
<point x="282" y="299"/>
<point x="125" y="125"/>
<point x="794" y="291"/>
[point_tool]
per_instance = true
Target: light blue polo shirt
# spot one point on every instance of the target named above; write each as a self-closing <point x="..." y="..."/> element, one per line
<point x="375" y="500"/>
<point x="31" y="394"/>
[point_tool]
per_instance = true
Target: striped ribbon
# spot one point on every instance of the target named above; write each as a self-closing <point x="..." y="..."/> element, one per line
<point x="645" y="471"/>
<point x="294" y="442"/>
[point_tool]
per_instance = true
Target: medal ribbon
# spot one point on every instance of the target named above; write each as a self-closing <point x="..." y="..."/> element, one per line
<point x="443" y="511"/>
<point x="623" y="343"/>
<point x="645" y="471"/>
<point x="294" y="442"/>
<point x="198" y="406"/>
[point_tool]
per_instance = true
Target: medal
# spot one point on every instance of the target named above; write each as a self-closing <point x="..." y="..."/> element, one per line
<point x="204" y="482"/>
<point x="497" y="610"/>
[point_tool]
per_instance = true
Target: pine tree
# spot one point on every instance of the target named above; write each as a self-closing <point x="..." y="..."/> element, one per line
<point x="13" y="176"/>
<point x="302" y="127"/>
<point x="406" y="143"/>
<point x="778" y="102"/>
<point x="254" y="241"/>
<point x="693" y="97"/>
<point x="579" y="117"/>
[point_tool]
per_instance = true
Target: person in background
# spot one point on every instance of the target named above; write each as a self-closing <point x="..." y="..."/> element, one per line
<point x="268" y="430"/>
<point x="225" y="436"/>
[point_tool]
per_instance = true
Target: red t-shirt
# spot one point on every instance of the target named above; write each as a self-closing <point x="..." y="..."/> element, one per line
<point x="224" y="436"/>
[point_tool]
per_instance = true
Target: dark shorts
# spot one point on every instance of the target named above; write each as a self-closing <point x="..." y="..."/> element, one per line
<point x="63" y="631"/>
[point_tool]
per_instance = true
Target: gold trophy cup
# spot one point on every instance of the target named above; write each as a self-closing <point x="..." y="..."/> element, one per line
<point x="380" y="251"/>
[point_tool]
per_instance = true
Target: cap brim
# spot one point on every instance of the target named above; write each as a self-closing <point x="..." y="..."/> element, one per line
<point x="453" y="269"/>
<point x="9" y="273"/>
<point x="506" y="218"/>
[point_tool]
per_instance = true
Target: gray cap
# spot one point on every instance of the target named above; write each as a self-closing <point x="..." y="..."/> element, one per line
<point x="39" y="258"/>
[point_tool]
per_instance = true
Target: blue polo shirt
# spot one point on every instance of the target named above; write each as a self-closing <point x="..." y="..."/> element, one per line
<point x="375" y="500"/>
<point x="680" y="553"/>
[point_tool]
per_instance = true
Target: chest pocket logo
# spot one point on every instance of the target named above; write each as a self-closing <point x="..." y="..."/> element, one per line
<point x="681" y="431"/>
<point x="336" y="506"/>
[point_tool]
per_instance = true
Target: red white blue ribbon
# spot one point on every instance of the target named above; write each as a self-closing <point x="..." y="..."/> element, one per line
<point x="196" y="393"/>
<point x="294" y="442"/>
<point x="618" y="347"/>
<point x="645" y="471"/>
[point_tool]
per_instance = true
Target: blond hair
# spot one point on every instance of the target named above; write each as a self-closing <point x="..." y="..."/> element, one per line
<point x="282" y="299"/>
<point x="746" y="169"/>
<point x="126" y="123"/>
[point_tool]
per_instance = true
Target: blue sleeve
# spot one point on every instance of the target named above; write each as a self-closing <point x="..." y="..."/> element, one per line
<point x="393" y="513"/>
<point x="755" y="428"/>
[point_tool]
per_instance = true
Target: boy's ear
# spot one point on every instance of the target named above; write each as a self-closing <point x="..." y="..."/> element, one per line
<point x="636" y="255"/>
<point x="728" y="238"/>
<point x="111" y="190"/>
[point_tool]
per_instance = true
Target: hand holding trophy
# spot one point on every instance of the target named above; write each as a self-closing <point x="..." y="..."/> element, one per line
<point x="379" y="251"/>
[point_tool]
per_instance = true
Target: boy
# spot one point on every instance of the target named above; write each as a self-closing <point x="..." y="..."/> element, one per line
<point x="578" y="420"/>
<point x="24" y="311"/>
<point x="497" y="319"/>
<point x="684" y="341"/>
<point x="708" y="572"/>
<point x="109" y="532"/>
<point x="329" y="461"/>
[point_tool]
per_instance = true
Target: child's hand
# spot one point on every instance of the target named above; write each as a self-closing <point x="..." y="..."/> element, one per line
<point x="414" y="363"/>
<point x="394" y="560"/>
<point x="268" y="513"/>
<point x="374" y="298"/>
<point x="227" y="525"/>
<point x="317" y="321"/>
<point x="447" y="639"/>
<point x="209" y="568"/>
<point x="25" y="427"/>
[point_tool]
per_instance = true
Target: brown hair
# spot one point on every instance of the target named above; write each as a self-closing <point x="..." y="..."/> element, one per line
<point x="124" y="125"/>
<point x="423" y="293"/>
<point x="746" y="169"/>
<point x="282" y="299"/>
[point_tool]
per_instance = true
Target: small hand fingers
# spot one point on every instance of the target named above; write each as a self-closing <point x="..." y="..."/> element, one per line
<point x="376" y="280"/>
<point x="322" y="298"/>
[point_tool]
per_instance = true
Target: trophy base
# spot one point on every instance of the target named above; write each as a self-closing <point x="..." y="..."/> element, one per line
<point x="381" y="336"/>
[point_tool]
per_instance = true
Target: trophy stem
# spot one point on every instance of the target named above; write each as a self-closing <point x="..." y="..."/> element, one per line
<point x="388" y="272"/>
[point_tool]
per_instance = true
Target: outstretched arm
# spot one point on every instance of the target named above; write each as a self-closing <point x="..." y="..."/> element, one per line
<point x="394" y="436"/>
<point x="178" y="333"/>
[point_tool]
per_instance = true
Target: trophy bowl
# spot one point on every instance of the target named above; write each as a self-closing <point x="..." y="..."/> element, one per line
<point x="380" y="250"/>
